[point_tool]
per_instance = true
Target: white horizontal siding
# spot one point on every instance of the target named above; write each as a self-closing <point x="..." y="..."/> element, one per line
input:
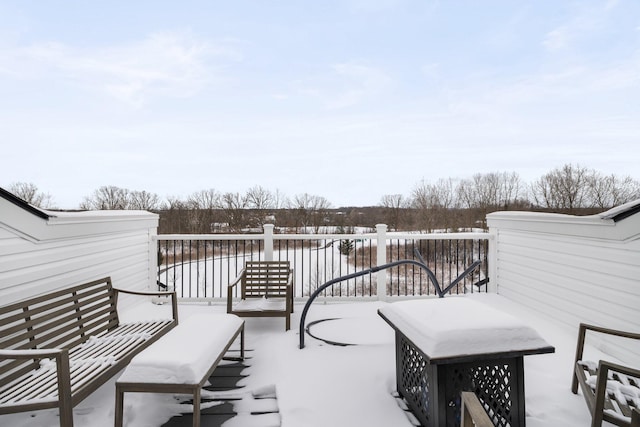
<point x="36" y="257"/>
<point x="573" y="277"/>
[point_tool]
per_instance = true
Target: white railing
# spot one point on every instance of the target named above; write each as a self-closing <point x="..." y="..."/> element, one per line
<point x="200" y="266"/>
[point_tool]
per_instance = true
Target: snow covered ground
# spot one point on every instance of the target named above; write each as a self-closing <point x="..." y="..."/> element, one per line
<point x="325" y="385"/>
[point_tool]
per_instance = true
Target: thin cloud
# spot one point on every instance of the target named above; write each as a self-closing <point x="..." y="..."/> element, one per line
<point x="584" y="24"/>
<point x="162" y="64"/>
<point x="346" y="85"/>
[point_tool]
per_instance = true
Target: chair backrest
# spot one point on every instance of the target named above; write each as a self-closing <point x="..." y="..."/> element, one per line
<point x="266" y="279"/>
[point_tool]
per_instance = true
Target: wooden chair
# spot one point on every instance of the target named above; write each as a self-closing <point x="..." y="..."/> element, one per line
<point x="473" y="413"/>
<point x="608" y="388"/>
<point x="266" y="290"/>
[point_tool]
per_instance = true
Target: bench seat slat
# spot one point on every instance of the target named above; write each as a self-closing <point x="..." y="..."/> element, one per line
<point x="29" y="387"/>
<point x="86" y="361"/>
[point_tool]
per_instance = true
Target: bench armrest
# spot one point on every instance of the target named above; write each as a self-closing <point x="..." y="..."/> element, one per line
<point x="172" y="294"/>
<point x="582" y="331"/>
<point x="290" y="292"/>
<point x="232" y="285"/>
<point x="237" y="279"/>
<point x="63" y="374"/>
<point x="145" y="293"/>
<point x="30" y="353"/>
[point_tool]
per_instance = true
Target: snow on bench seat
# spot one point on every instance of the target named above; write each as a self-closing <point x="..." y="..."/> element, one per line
<point x="182" y="361"/>
<point x="185" y="354"/>
<point x="460" y="326"/>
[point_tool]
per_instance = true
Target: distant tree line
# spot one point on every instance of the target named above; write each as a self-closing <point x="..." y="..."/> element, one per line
<point x="451" y="204"/>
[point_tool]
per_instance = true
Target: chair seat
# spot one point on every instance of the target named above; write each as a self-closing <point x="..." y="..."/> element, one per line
<point x="611" y="390"/>
<point x="261" y="304"/>
<point x="623" y="391"/>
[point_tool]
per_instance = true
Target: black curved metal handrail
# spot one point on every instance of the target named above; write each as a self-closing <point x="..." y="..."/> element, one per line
<point x="422" y="264"/>
<point x="347" y="277"/>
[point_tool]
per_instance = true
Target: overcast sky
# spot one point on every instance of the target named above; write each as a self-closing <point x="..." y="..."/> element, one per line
<point x="349" y="100"/>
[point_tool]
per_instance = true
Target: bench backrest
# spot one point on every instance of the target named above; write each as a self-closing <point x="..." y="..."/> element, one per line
<point x="266" y="278"/>
<point x="59" y="319"/>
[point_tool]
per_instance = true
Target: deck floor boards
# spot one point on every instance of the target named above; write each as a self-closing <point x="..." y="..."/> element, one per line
<point x="225" y="398"/>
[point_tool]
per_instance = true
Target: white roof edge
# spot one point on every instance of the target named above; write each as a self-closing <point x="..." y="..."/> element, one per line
<point x="618" y="224"/>
<point x="550" y="217"/>
<point x="613" y="212"/>
<point x="65" y="224"/>
<point x="62" y="217"/>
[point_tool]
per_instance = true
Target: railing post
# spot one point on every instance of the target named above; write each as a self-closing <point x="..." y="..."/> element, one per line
<point x="268" y="242"/>
<point x="381" y="276"/>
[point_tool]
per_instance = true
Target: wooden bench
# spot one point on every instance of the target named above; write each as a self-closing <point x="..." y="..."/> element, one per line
<point x="612" y="391"/>
<point x="182" y="361"/>
<point x="266" y="290"/>
<point x="59" y="347"/>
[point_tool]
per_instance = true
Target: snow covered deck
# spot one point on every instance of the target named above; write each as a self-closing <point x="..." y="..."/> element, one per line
<point x="324" y="385"/>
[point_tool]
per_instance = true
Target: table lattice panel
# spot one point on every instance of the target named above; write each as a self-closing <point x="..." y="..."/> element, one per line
<point x="433" y="391"/>
<point x="492" y="381"/>
<point x="413" y="381"/>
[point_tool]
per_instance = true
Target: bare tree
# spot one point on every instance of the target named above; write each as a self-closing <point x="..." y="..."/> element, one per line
<point x="107" y="198"/>
<point x="202" y="210"/>
<point x="396" y="207"/>
<point x="491" y="191"/>
<point x="174" y="217"/>
<point x="143" y="200"/>
<point x="233" y="206"/>
<point x="438" y="195"/>
<point x="204" y="199"/>
<point x="512" y="190"/>
<point x="260" y="198"/>
<point x="564" y="189"/>
<point x="433" y="203"/>
<point x="310" y="210"/>
<point x="280" y="200"/>
<point x="608" y="191"/>
<point x="29" y="193"/>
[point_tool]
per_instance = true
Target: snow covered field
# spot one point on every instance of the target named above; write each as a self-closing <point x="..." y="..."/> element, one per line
<point x="209" y="278"/>
<point x="324" y="385"/>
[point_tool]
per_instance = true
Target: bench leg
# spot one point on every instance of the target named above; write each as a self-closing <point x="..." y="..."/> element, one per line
<point x="119" y="407"/>
<point x="242" y="343"/>
<point x="196" y="407"/>
<point x="66" y="415"/>
<point x="65" y="405"/>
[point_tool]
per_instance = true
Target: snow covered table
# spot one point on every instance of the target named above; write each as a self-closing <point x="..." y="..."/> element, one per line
<point x="448" y="345"/>
<point x="182" y="361"/>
